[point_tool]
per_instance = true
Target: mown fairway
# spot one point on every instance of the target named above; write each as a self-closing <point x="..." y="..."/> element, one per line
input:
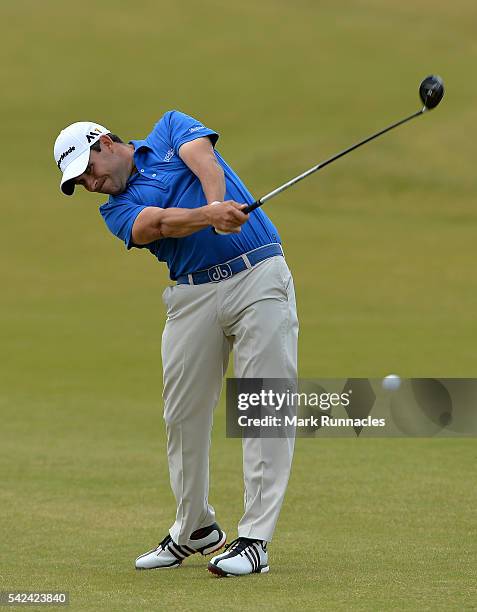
<point x="382" y="246"/>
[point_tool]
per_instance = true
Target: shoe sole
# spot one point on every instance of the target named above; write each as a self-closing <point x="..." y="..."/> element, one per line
<point x="220" y="573"/>
<point x="158" y="567"/>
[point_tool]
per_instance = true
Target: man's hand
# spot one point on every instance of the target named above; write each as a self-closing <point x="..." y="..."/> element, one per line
<point x="226" y="217"/>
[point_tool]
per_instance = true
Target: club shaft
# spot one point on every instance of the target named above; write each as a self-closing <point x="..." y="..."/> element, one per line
<point x="321" y="165"/>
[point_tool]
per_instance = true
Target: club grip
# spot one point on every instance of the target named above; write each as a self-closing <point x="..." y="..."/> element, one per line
<point x="251" y="207"/>
<point x="245" y="210"/>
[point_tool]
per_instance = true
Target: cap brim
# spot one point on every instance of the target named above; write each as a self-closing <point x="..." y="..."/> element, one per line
<point x="74" y="169"/>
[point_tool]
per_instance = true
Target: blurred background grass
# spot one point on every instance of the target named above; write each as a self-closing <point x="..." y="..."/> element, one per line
<point x="381" y="244"/>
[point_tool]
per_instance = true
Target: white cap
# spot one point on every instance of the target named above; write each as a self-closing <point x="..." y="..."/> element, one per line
<point x="72" y="149"/>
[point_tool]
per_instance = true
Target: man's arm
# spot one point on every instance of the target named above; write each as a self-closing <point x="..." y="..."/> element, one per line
<point x="199" y="156"/>
<point x="154" y="223"/>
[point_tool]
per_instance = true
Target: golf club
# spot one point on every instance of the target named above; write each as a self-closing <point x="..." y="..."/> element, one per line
<point x="431" y="91"/>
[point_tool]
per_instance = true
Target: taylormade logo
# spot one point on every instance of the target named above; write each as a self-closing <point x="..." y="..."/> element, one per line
<point x="63" y="155"/>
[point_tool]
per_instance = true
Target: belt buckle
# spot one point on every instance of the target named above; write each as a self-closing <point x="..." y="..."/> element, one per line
<point x="219" y="273"/>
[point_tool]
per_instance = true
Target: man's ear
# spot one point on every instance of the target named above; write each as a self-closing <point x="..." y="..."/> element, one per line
<point x="106" y="142"/>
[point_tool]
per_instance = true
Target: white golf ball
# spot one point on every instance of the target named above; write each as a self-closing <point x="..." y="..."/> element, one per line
<point x="391" y="382"/>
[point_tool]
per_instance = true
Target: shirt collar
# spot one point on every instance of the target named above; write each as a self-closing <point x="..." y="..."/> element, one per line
<point x="138" y="145"/>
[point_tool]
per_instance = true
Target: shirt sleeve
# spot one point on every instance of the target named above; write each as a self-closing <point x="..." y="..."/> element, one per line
<point x="183" y="128"/>
<point x="119" y="215"/>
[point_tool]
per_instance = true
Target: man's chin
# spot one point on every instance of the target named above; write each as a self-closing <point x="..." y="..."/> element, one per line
<point x="114" y="190"/>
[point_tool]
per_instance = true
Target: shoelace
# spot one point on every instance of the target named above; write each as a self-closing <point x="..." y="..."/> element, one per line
<point x="240" y="544"/>
<point x="179" y="552"/>
<point x="165" y="542"/>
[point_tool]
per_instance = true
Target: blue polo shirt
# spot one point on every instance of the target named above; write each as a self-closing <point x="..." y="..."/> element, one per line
<point x="164" y="180"/>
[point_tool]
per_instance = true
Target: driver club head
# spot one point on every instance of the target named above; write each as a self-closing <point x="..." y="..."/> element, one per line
<point x="431" y="91"/>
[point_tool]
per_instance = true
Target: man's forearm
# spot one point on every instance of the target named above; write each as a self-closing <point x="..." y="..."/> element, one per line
<point x="211" y="177"/>
<point x="179" y="222"/>
<point x="155" y="223"/>
<point x="199" y="157"/>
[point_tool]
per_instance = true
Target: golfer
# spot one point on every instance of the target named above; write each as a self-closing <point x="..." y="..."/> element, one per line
<point x="173" y="194"/>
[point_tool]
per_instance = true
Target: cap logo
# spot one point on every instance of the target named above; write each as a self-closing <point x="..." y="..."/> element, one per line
<point x="63" y="155"/>
<point x="93" y="134"/>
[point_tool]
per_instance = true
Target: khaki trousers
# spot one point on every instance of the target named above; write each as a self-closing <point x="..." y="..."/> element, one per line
<point x="254" y="314"/>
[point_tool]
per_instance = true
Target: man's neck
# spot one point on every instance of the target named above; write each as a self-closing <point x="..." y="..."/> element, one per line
<point x="133" y="165"/>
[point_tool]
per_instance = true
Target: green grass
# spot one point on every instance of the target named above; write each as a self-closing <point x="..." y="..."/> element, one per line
<point x="382" y="246"/>
<point x="382" y="524"/>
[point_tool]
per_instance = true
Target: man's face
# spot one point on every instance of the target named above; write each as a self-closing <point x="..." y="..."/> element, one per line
<point x="108" y="170"/>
